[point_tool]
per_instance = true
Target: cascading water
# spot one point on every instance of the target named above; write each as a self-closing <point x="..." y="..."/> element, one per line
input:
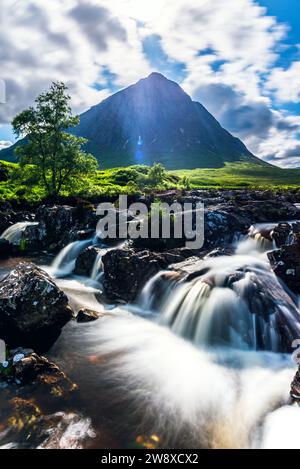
<point x="97" y="267"/>
<point x="202" y="371"/>
<point x="14" y="233"/>
<point x="233" y="301"/>
<point x="64" y="263"/>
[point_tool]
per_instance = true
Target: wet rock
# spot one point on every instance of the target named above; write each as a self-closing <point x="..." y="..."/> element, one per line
<point x="24" y="366"/>
<point x="67" y="431"/>
<point x="285" y="261"/>
<point x="27" y="427"/>
<point x="126" y="271"/>
<point x="87" y="315"/>
<point x="224" y="251"/>
<point x="83" y="235"/>
<point x="55" y="222"/>
<point x="221" y="226"/>
<point x="6" y="220"/>
<point x="32" y="308"/>
<point x="281" y="233"/>
<point x="295" y="387"/>
<point x="261" y="211"/>
<point x="5" y="248"/>
<point x="86" y="260"/>
<point x="32" y="238"/>
<point x="187" y="267"/>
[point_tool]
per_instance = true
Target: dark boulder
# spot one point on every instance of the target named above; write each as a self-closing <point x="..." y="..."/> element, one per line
<point x="24" y="366"/>
<point x="6" y="220"/>
<point x="280" y="234"/>
<point x="32" y="308"/>
<point x="285" y="262"/>
<point x="86" y="315"/>
<point x="86" y="260"/>
<point x="295" y="387"/>
<point x="126" y="271"/>
<point x="5" y="248"/>
<point x="223" y="224"/>
<point x="27" y="427"/>
<point x="273" y="210"/>
<point x="55" y="222"/>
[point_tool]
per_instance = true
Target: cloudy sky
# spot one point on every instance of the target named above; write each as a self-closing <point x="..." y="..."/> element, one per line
<point x="240" y="58"/>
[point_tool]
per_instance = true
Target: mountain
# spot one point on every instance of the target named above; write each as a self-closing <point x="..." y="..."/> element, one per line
<point x="151" y="121"/>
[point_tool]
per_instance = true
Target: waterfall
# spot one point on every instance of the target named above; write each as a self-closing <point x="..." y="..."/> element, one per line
<point x="14" y="233"/>
<point x="64" y="263"/>
<point x="189" y="398"/>
<point x="97" y="267"/>
<point x="157" y="290"/>
<point x="234" y="301"/>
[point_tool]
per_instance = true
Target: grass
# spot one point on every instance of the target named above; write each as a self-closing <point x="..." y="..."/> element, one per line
<point x="20" y="186"/>
<point x="242" y="175"/>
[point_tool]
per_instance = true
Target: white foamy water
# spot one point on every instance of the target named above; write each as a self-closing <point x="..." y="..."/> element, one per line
<point x="13" y="234"/>
<point x="203" y="373"/>
<point x="186" y="396"/>
<point x="64" y="263"/>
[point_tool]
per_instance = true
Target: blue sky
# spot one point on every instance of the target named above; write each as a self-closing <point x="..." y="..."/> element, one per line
<point x="240" y="58"/>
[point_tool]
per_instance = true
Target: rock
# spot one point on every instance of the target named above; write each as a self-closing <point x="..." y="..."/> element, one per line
<point x="32" y="238"/>
<point x="187" y="267"/>
<point x="285" y="262"/>
<point x="26" y="427"/>
<point x="60" y="225"/>
<point x="24" y="366"/>
<point x="6" y="220"/>
<point x="86" y="315"/>
<point x="281" y="233"/>
<point x="126" y="271"/>
<point x="55" y="222"/>
<point x="83" y="235"/>
<point x="86" y="260"/>
<point x="222" y="225"/>
<point x="32" y="308"/>
<point x="5" y="248"/>
<point x="224" y="251"/>
<point x="295" y="387"/>
<point x="270" y="211"/>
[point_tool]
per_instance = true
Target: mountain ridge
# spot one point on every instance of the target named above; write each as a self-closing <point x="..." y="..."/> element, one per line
<point x="155" y="120"/>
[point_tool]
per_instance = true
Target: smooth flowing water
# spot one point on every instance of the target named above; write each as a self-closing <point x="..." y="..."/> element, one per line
<point x="196" y="362"/>
<point x="14" y="233"/>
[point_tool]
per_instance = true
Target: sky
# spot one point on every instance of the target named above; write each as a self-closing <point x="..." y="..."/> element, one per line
<point x="239" y="58"/>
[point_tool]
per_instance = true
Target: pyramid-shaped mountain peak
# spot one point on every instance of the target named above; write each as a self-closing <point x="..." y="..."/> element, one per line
<point x="154" y="120"/>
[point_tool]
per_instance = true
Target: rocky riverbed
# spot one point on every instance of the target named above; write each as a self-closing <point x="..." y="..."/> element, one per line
<point x="59" y="280"/>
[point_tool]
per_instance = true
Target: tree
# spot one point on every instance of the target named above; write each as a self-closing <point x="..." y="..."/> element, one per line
<point x="56" y="154"/>
<point x="157" y="175"/>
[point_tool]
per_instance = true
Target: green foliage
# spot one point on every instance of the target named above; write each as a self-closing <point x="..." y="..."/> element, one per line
<point x="156" y="175"/>
<point x="58" y="160"/>
<point x="186" y="183"/>
<point x="25" y="184"/>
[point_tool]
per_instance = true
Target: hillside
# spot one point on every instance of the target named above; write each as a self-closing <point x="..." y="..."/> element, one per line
<point x="154" y="120"/>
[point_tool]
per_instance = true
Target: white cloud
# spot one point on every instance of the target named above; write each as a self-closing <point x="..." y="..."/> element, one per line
<point x="228" y="50"/>
<point x="75" y="41"/>
<point x="5" y="144"/>
<point x="285" y="83"/>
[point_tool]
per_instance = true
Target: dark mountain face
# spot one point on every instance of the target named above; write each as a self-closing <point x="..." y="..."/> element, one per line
<point x="156" y="121"/>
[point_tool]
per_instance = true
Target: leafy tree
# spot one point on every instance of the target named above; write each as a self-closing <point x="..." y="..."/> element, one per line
<point x="157" y="175"/>
<point x="186" y="183"/>
<point x="56" y="154"/>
